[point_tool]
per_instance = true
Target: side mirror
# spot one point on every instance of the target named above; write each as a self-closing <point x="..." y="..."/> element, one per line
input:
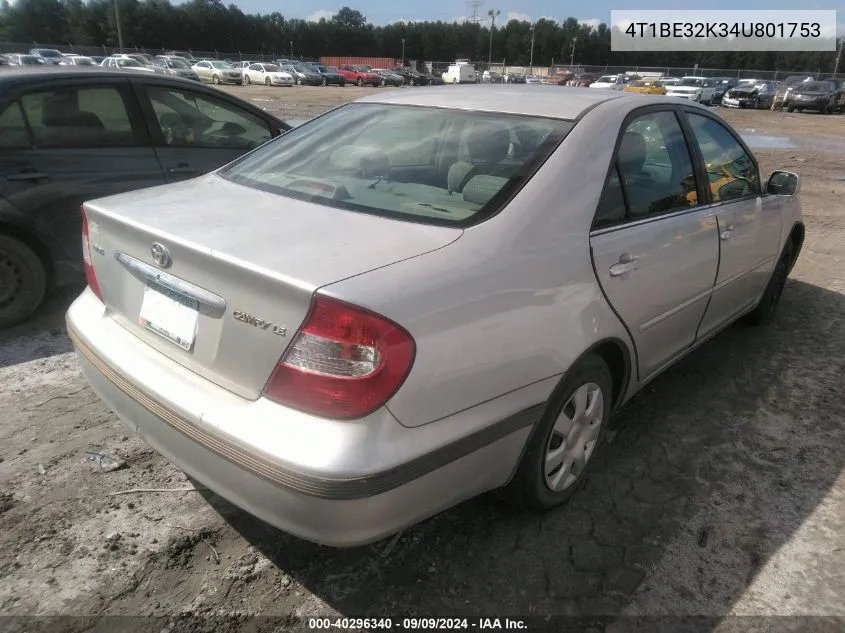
<point x="783" y="183"/>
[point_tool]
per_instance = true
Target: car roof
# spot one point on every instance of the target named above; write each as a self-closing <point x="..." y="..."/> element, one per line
<point x="531" y="101"/>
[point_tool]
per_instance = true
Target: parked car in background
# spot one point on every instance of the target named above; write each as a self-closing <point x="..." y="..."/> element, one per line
<point x="360" y="75"/>
<point x="411" y="76"/>
<point x="98" y="59"/>
<point x="175" y="67"/>
<point x="646" y="86"/>
<point x="91" y="133"/>
<point x="20" y="59"/>
<point x="4" y="61"/>
<point x="460" y="74"/>
<point x="492" y="77"/>
<point x="330" y="76"/>
<point x="750" y="95"/>
<point x="820" y="96"/>
<point x="669" y="81"/>
<point x="50" y="55"/>
<point x="515" y="78"/>
<point x="303" y="75"/>
<point x="77" y="60"/>
<point x="434" y="78"/>
<point x="720" y="86"/>
<point x="699" y="89"/>
<point x="126" y="63"/>
<point x="242" y="64"/>
<point x="609" y="82"/>
<point x="786" y="87"/>
<point x="268" y="74"/>
<point x="188" y="57"/>
<point x="144" y="58"/>
<point x="389" y="78"/>
<point x="533" y="79"/>
<point x="370" y="409"/>
<point x="218" y="72"/>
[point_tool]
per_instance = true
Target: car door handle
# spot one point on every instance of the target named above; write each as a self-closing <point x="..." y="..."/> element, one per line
<point x="181" y="169"/>
<point x="28" y="175"/>
<point x="726" y="233"/>
<point x="625" y="265"/>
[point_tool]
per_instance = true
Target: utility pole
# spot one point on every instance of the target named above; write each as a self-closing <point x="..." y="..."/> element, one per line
<point x="291" y="49"/>
<point x="572" y="54"/>
<point x="117" y="22"/>
<point x="492" y="13"/>
<point x="531" y="62"/>
<point x="403" y="52"/>
<point x="838" y="57"/>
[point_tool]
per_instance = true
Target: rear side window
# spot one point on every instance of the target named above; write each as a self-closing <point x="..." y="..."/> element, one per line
<point x="79" y="117"/>
<point x="432" y="165"/>
<point x="730" y="170"/>
<point x="653" y="172"/>
<point x="13" y="132"/>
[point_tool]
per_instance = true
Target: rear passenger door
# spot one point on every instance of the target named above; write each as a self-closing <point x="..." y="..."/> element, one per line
<point x="749" y="223"/>
<point x="655" y="249"/>
<point x="194" y="132"/>
<point x="75" y="140"/>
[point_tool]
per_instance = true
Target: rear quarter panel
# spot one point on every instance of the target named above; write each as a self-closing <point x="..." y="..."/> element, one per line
<point x="511" y="303"/>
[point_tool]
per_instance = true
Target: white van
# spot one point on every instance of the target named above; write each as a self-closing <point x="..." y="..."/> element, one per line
<point x="459" y="74"/>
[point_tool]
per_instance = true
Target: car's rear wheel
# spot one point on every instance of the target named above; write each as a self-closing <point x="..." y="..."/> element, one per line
<point x="267" y="82"/>
<point x="383" y="83"/>
<point x="298" y="81"/>
<point x="23" y="281"/>
<point x="765" y="310"/>
<point x="360" y="82"/>
<point x="324" y="82"/>
<point x="246" y="80"/>
<point x="566" y="439"/>
<point x="215" y="79"/>
<point x="342" y="84"/>
<point x="412" y="82"/>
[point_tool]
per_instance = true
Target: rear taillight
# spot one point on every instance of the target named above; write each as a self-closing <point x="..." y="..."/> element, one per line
<point x="344" y="362"/>
<point x="90" y="275"/>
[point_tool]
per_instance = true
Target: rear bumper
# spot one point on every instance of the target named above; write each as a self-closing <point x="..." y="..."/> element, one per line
<point x="347" y="489"/>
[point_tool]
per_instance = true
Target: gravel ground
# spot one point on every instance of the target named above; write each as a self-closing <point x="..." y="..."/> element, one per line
<point x="722" y="493"/>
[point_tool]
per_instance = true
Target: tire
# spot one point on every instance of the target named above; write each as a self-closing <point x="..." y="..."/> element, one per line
<point x="324" y="82"/>
<point x="360" y="82"/>
<point x="531" y="486"/>
<point x="247" y="80"/>
<point x="342" y="84"/>
<point x="23" y="281"/>
<point x="383" y="83"/>
<point x="267" y="82"/>
<point x="298" y="81"/>
<point x="412" y="82"/>
<point x="215" y="79"/>
<point x="765" y="310"/>
<point x="790" y="108"/>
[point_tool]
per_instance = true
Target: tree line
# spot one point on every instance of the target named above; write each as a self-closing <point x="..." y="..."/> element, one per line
<point x="209" y="25"/>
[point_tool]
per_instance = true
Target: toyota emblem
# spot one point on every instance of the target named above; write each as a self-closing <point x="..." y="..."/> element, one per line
<point x="161" y="255"/>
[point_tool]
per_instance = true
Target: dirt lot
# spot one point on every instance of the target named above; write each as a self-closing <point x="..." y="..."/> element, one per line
<point x="721" y="494"/>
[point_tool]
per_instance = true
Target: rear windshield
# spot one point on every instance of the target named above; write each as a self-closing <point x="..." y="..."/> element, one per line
<point x="431" y="165"/>
<point x="221" y="65"/>
<point x="690" y="81"/>
<point x="129" y="63"/>
<point x="272" y="68"/>
<point x="813" y="87"/>
<point x="607" y="79"/>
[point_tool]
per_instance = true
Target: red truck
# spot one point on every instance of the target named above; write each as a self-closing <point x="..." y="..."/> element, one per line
<point x="360" y="75"/>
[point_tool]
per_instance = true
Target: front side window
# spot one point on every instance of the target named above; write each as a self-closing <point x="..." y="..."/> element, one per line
<point x="653" y="172"/>
<point x="189" y="119"/>
<point x="13" y="132"/>
<point x="730" y="170"/>
<point x="384" y="159"/>
<point x="79" y="117"/>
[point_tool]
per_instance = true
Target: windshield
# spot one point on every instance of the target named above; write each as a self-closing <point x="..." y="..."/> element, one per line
<point x="322" y="69"/>
<point x="177" y="63"/>
<point x="272" y="68"/>
<point x="303" y="69"/>
<point x="221" y="65"/>
<point x="129" y="63"/>
<point x="813" y="87"/>
<point x="690" y="81"/>
<point x="377" y="158"/>
<point x="45" y="52"/>
<point x="607" y="79"/>
<point x="84" y="61"/>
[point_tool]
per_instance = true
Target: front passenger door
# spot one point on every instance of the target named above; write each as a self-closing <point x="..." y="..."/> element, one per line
<point x="655" y="249"/>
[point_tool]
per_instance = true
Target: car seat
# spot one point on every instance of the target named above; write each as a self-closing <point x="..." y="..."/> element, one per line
<point x="487" y="147"/>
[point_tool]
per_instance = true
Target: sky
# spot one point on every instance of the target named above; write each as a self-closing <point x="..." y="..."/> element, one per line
<point x="593" y="12"/>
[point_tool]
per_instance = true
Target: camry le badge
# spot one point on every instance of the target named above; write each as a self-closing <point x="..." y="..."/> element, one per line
<point x="260" y="323"/>
<point x="161" y="255"/>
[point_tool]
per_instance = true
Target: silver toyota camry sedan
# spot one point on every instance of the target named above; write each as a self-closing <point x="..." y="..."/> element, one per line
<point x="425" y="295"/>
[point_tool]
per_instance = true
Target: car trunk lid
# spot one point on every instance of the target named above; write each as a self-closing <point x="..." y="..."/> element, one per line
<point x="243" y="261"/>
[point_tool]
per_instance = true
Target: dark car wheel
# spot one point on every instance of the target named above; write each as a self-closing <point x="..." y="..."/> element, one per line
<point x="267" y="82"/>
<point x="246" y="79"/>
<point x="215" y="79"/>
<point x="324" y="82"/>
<point x="790" y="108"/>
<point x="412" y="82"/>
<point x="23" y="281"/>
<point x="566" y="438"/>
<point x="360" y="82"/>
<point x="765" y="310"/>
<point x="342" y="84"/>
<point x="298" y="81"/>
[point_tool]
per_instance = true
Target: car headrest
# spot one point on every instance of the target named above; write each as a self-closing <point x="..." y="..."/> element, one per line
<point x="488" y="144"/>
<point x="481" y="189"/>
<point x="632" y="152"/>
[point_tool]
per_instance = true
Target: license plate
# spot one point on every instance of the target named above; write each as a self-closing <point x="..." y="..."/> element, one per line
<point x="169" y="314"/>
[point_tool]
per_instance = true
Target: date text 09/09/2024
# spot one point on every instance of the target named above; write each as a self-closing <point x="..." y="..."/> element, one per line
<point x="416" y="624"/>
